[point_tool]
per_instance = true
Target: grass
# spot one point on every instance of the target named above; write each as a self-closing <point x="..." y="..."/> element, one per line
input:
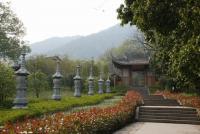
<point x="37" y="107"/>
<point x="65" y="92"/>
<point x="105" y="103"/>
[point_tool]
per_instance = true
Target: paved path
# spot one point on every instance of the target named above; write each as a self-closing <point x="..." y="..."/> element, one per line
<point x="159" y="128"/>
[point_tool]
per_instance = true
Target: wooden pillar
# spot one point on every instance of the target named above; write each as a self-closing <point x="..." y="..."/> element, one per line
<point x="125" y="75"/>
<point x="145" y="79"/>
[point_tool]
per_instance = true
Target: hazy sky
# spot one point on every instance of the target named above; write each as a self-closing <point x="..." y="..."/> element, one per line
<point x="48" y="18"/>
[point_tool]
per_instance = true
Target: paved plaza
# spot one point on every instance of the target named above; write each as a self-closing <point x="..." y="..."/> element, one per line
<point x="159" y="128"/>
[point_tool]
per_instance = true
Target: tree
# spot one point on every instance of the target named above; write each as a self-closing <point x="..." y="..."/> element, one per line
<point x="37" y="82"/>
<point x="41" y="63"/>
<point x="11" y="33"/>
<point x="171" y="28"/>
<point x="7" y="82"/>
<point x="129" y="48"/>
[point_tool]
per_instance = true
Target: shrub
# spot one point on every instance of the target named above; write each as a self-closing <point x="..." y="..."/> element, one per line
<point x="93" y="121"/>
<point x="7" y="83"/>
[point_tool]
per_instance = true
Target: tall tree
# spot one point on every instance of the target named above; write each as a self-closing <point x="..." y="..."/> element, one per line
<point x="11" y="33"/>
<point x="172" y="30"/>
<point x="7" y="83"/>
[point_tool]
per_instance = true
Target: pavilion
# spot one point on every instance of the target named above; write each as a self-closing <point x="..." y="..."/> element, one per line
<point x="134" y="72"/>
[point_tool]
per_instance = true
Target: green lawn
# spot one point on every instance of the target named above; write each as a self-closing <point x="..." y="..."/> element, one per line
<point x="37" y="107"/>
<point x="105" y="103"/>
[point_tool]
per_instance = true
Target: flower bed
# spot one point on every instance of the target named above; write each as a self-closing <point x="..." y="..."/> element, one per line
<point x="93" y="121"/>
<point x="191" y="101"/>
<point x="39" y="107"/>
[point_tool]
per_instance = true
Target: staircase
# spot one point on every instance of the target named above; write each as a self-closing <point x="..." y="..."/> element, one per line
<point x="158" y="109"/>
<point x="142" y="90"/>
<point x="158" y="100"/>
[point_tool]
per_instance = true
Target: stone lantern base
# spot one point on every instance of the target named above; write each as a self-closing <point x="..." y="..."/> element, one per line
<point x="100" y="83"/>
<point x="56" y="97"/>
<point x="77" y="86"/>
<point x="91" y="87"/>
<point x="20" y="103"/>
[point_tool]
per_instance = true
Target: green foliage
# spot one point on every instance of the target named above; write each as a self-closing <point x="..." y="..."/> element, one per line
<point x="120" y="89"/>
<point x="148" y="15"/>
<point x="171" y="29"/>
<point x="37" y="82"/>
<point x="38" y="107"/>
<point x="11" y="33"/>
<point x="7" y="83"/>
<point x="41" y="63"/>
<point x="47" y="66"/>
<point x="130" y="48"/>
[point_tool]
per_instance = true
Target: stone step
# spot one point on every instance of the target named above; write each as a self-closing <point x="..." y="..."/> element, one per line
<point x="165" y="110"/>
<point x="171" y="108"/>
<point x="170" y="100"/>
<point x="168" y="114"/>
<point x="160" y="101"/>
<point x="163" y="102"/>
<point x="194" y="118"/>
<point x="142" y="90"/>
<point x="154" y="97"/>
<point x="158" y="109"/>
<point x="170" y="121"/>
<point x="143" y="93"/>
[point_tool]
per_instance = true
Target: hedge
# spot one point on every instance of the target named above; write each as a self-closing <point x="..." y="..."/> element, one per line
<point x="38" y="107"/>
<point x="93" y="121"/>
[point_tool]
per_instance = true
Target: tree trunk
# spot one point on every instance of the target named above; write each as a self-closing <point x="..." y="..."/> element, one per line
<point x="37" y="93"/>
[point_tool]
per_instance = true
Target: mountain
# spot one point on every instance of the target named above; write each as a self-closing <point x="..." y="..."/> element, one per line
<point x="43" y="47"/>
<point x="92" y="45"/>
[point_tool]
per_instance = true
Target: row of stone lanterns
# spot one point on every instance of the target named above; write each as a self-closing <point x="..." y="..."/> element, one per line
<point x="21" y="79"/>
<point x="101" y="83"/>
<point x="20" y="100"/>
<point x="78" y="79"/>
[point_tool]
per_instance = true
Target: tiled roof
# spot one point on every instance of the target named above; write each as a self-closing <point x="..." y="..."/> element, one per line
<point x="131" y="62"/>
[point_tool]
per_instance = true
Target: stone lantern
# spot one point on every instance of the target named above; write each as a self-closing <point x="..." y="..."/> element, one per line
<point x="77" y="82"/>
<point x="100" y="83"/>
<point x="16" y="65"/>
<point x="57" y="81"/>
<point x="21" y="85"/>
<point x="91" y="80"/>
<point x="108" y="85"/>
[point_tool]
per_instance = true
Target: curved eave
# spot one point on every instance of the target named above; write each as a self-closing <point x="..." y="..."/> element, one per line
<point x="131" y="63"/>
